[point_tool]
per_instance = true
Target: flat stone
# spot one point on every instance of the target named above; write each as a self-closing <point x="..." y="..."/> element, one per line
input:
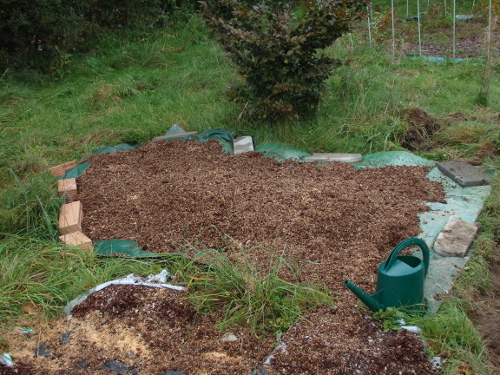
<point x="66" y="337"/>
<point x="174" y="372"/>
<point x="42" y="351"/>
<point x="243" y="144"/>
<point x="464" y="173"/>
<point x="455" y="238"/>
<point x="70" y="218"/>
<point x="173" y="136"/>
<point x="328" y="157"/>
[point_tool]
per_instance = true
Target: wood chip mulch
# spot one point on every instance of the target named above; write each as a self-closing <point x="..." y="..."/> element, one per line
<point x="332" y="222"/>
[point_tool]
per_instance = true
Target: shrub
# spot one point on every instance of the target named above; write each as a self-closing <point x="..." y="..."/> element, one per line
<point x="277" y="48"/>
<point x="43" y="34"/>
<point x="29" y="31"/>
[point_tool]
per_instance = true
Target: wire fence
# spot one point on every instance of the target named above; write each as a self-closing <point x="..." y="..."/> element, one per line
<point x="437" y="26"/>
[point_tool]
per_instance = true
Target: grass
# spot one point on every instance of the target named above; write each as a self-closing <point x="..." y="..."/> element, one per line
<point x="133" y="87"/>
<point x="248" y="294"/>
<point x="40" y="276"/>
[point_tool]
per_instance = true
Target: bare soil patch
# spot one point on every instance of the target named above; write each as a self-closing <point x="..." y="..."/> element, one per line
<point x="470" y="40"/>
<point x="332" y="222"/>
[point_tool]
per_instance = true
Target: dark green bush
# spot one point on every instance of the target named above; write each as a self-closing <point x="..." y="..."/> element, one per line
<point x="43" y="34"/>
<point x="277" y="49"/>
<point x="30" y="30"/>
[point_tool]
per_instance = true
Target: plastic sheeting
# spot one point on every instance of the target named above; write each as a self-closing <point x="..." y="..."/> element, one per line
<point x="75" y="172"/>
<point x="397" y="158"/>
<point x="464" y="202"/>
<point x="123" y="248"/>
<point x="153" y="281"/>
<point x="121" y="147"/>
<point x="79" y="169"/>
<point x="282" y="152"/>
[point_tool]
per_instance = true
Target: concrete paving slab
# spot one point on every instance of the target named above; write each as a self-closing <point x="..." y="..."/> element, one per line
<point x="464" y="173"/>
<point x="328" y="157"/>
<point x="455" y="238"/>
<point x="173" y="136"/>
<point x="243" y="144"/>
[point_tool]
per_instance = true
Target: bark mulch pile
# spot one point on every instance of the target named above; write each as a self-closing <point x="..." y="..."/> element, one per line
<point x="331" y="222"/>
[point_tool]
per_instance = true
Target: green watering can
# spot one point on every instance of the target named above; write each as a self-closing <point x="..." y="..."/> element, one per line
<point x="400" y="280"/>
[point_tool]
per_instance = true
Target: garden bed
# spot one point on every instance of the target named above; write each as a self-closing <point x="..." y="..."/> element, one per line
<point x="330" y="222"/>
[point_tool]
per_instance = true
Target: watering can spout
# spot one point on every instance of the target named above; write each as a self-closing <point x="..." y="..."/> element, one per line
<point x="368" y="300"/>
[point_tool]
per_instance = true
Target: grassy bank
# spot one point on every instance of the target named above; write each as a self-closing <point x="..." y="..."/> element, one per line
<point x="129" y="89"/>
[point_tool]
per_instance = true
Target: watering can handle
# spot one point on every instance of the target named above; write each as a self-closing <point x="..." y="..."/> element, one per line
<point x="403" y="245"/>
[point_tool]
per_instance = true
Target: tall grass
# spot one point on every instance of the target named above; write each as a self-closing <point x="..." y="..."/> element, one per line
<point x="38" y="278"/>
<point x="249" y="294"/>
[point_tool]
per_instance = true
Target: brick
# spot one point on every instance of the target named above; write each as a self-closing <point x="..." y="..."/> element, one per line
<point x="68" y="189"/>
<point x="243" y="144"/>
<point x="77" y="239"/>
<point x="70" y="218"/>
<point x="61" y="169"/>
<point x="455" y="238"/>
<point x="328" y="157"/>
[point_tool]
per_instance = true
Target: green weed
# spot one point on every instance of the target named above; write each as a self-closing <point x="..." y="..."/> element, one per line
<point x="249" y="294"/>
<point x="452" y="336"/>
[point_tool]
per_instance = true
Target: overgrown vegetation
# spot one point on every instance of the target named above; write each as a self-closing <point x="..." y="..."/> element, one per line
<point x="45" y="34"/>
<point x="248" y="294"/>
<point x="132" y="86"/>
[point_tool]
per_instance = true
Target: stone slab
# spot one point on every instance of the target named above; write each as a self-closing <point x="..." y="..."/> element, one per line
<point x="77" y="239"/>
<point x="173" y="136"/>
<point x="61" y="169"/>
<point x="455" y="238"/>
<point x="68" y="189"/>
<point x="464" y="173"/>
<point x="243" y="144"/>
<point x="70" y="218"/>
<point x="328" y="157"/>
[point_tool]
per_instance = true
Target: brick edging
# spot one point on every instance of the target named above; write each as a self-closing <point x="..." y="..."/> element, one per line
<point x="71" y="214"/>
